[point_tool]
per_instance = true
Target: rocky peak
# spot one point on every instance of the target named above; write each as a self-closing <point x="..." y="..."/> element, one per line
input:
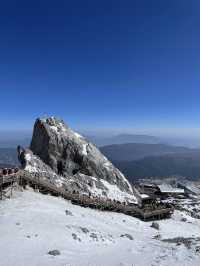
<point x="78" y="161"/>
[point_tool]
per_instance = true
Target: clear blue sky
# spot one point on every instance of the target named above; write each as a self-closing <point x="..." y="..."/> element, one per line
<point x="102" y="64"/>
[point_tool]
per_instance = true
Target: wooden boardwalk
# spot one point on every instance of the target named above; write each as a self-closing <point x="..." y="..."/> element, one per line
<point x="8" y="179"/>
<point x="45" y="186"/>
<point x="147" y="213"/>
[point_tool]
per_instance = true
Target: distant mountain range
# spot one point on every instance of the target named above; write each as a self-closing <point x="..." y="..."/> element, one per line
<point x="8" y="156"/>
<point x="122" y="139"/>
<point x="154" y="160"/>
<point x="190" y="142"/>
<point x="136" y="151"/>
<point x="4" y="165"/>
<point x="135" y="160"/>
<point x="186" y="165"/>
<point x="13" y="143"/>
<point x="10" y="139"/>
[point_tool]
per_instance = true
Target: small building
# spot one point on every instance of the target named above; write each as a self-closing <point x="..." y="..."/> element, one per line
<point x="190" y="188"/>
<point x="147" y="188"/>
<point x="142" y="198"/>
<point x="166" y="190"/>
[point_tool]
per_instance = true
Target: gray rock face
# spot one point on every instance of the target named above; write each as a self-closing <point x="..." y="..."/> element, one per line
<point x="55" y="142"/>
<point x="64" y="154"/>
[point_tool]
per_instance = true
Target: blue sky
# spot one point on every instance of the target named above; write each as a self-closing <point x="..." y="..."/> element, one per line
<point x="101" y="64"/>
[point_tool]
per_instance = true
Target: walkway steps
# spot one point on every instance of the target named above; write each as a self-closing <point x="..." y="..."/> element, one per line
<point x="162" y="211"/>
<point x="45" y="186"/>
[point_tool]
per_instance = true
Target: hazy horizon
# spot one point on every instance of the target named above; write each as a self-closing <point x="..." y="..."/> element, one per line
<point x="178" y="137"/>
<point x="157" y="132"/>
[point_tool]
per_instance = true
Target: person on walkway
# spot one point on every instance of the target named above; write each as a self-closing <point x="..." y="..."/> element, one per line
<point x="60" y="168"/>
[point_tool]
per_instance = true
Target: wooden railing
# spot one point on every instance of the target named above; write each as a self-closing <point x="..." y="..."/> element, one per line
<point x="42" y="183"/>
<point x="8" y="177"/>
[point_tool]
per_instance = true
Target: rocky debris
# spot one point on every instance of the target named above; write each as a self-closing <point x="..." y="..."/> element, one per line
<point x="84" y="230"/>
<point x="94" y="236"/>
<point x="68" y="213"/>
<point x="188" y="211"/>
<point x="68" y="160"/>
<point x="195" y="215"/>
<point x="197" y="249"/>
<point x="54" y="252"/>
<point x="183" y="219"/>
<point x="75" y="237"/>
<point x="187" y="242"/>
<point x="127" y="236"/>
<point x="157" y="236"/>
<point x="155" y="225"/>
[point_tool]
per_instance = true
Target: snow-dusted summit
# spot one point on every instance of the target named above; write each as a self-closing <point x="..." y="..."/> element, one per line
<point x="84" y="168"/>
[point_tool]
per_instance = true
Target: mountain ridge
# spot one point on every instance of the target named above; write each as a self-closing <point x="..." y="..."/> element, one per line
<point x="186" y="165"/>
<point x="136" y="151"/>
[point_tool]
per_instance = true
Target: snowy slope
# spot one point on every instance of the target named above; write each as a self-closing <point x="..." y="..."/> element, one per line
<point x="32" y="224"/>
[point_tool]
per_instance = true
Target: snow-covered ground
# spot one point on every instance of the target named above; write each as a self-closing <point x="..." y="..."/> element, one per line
<point x="32" y="224"/>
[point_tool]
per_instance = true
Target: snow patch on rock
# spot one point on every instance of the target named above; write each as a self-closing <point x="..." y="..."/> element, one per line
<point x="78" y="135"/>
<point x="84" y="151"/>
<point x="114" y="193"/>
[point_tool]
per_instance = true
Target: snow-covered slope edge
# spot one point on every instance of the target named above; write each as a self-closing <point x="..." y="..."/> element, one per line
<point x="32" y="224"/>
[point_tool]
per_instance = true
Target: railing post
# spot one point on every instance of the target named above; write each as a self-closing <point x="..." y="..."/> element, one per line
<point x="1" y="184"/>
<point x="11" y="191"/>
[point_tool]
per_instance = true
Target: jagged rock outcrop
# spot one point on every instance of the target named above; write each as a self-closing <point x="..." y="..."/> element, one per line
<point x="67" y="156"/>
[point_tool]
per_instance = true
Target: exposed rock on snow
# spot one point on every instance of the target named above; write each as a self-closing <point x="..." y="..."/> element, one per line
<point x="127" y="236"/>
<point x="84" y="168"/>
<point x="188" y="242"/>
<point x="68" y="213"/>
<point x="155" y="225"/>
<point x="36" y="167"/>
<point x="54" y="252"/>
